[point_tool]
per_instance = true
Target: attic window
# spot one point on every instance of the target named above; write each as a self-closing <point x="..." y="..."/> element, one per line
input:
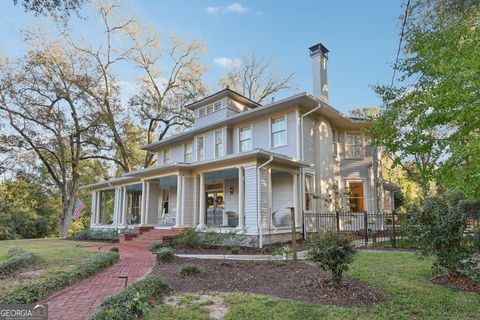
<point x="210" y="109"/>
<point x="201" y="112"/>
<point x="218" y="105"/>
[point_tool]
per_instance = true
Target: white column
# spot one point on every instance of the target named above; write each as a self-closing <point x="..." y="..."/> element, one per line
<point x="143" y="206"/>
<point x="124" y="206"/>
<point x="115" y="206"/>
<point x="241" y="199"/>
<point x="202" y="204"/>
<point x="182" y="214"/>
<point x="179" y="200"/>
<point x="97" y="207"/>
<point x="93" y="213"/>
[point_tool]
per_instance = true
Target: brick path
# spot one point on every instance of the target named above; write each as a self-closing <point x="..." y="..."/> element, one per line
<point x="82" y="299"/>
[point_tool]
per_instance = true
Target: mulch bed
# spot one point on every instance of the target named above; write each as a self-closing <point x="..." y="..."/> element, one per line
<point x="303" y="282"/>
<point x="460" y="282"/>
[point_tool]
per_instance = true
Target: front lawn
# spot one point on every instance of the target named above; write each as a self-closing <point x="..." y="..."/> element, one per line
<point x="54" y="256"/>
<point x="402" y="276"/>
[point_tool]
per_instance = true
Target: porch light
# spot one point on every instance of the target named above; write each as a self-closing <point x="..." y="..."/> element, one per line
<point x="231" y="190"/>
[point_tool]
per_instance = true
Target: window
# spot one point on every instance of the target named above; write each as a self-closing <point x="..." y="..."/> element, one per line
<point x="167" y="156"/>
<point x="218" y="143"/>
<point x="356" y="197"/>
<point x="353" y="146"/>
<point x="200" y="148"/>
<point x="201" y="112"/>
<point x="210" y="109"/>
<point x="218" y="105"/>
<point x="245" y="139"/>
<point x="187" y="156"/>
<point x="334" y="149"/>
<point x="165" y="199"/>
<point x="279" y="132"/>
<point x="308" y="192"/>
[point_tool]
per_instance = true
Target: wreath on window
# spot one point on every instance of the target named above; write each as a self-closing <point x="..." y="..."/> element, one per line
<point x="219" y="200"/>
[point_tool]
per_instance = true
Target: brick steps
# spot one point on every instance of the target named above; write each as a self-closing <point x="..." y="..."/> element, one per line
<point x="142" y="237"/>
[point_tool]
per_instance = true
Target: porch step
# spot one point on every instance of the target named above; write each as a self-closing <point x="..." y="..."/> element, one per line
<point x="142" y="237"/>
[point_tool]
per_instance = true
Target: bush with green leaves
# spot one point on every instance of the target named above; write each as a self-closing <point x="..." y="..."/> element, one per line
<point x="331" y="251"/>
<point x="37" y="290"/>
<point x="439" y="230"/>
<point x="114" y="249"/>
<point x="97" y="234"/>
<point x="188" y="238"/>
<point x="17" y="258"/>
<point x="154" y="247"/>
<point x="165" y="254"/>
<point x="134" y="301"/>
<point x="189" y="269"/>
<point x="191" y="238"/>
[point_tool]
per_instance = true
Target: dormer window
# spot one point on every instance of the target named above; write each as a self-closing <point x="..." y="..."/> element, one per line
<point x="210" y="109"/>
<point x="201" y="112"/>
<point x="218" y="105"/>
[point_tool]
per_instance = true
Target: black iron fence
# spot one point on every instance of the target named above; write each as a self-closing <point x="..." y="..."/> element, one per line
<point x="364" y="228"/>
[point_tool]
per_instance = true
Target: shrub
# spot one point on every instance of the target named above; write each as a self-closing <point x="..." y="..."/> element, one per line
<point x="165" y="254"/>
<point x="17" y="258"/>
<point x="34" y="291"/>
<point x="133" y="301"/>
<point x="189" y="269"/>
<point x="114" y="249"/>
<point x="154" y="247"/>
<point x="331" y="251"/>
<point x="189" y="238"/>
<point x="27" y="225"/>
<point x="440" y="232"/>
<point x="97" y="234"/>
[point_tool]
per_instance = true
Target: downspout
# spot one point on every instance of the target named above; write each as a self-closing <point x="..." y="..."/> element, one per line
<point x="302" y="171"/>
<point x="259" y="220"/>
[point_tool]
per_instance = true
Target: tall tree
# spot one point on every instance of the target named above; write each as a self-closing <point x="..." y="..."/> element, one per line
<point x="431" y="119"/>
<point x="57" y="9"/>
<point x="255" y="78"/>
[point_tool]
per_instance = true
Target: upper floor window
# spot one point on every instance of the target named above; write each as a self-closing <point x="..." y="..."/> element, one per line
<point x="200" y="148"/>
<point x="245" y="139"/>
<point x="279" y="132"/>
<point x="218" y="143"/>
<point x="167" y="155"/>
<point x="218" y="105"/>
<point x="353" y="146"/>
<point x="210" y="109"/>
<point x="187" y="156"/>
<point x="201" y="112"/>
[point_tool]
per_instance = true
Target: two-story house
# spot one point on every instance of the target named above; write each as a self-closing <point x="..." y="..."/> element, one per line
<point x="243" y="165"/>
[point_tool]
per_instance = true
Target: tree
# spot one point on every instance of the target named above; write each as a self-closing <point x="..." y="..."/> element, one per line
<point x="255" y="79"/>
<point x="431" y="119"/>
<point x="48" y="116"/>
<point x="368" y="113"/>
<point x="57" y="9"/>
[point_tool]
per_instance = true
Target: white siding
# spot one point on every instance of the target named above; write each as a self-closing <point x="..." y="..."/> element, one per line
<point x="152" y="203"/>
<point x="189" y="200"/>
<point x="309" y="135"/>
<point x="251" y="205"/>
<point x="282" y="197"/>
<point x="231" y="200"/>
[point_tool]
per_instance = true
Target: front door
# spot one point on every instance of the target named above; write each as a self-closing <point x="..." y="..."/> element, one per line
<point x="215" y="206"/>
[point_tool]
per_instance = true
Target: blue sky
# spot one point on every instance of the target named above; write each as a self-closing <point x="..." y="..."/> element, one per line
<point x="362" y="37"/>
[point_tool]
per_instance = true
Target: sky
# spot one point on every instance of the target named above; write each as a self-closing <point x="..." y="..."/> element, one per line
<point x="362" y="37"/>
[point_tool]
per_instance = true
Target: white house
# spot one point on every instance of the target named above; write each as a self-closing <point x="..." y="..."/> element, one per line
<point x="243" y="165"/>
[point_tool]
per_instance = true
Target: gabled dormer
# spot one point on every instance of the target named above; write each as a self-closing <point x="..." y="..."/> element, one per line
<point x="220" y="105"/>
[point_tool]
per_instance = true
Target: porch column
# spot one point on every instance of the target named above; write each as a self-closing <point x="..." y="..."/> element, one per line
<point x="202" y="211"/>
<point x="179" y="200"/>
<point x="93" y="209"/>
<point x="182" y="214"/>
<point x="241" y="199"/>
<point x="295" y="198"/>
<point x="124" y="206"/>
<point x="116" y="204"/>
<point x="97" y="207"/>
<point x="144" y="202"/>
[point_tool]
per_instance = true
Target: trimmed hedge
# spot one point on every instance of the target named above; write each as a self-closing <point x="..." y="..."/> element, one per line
<point x="134" y="301"/>
<point x="17" y="258"/>
<point x="36" y="290"/>
<point x="165" y="254"/>
<point x="97" y="234"/>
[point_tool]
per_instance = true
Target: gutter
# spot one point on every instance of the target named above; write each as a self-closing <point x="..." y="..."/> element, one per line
<point x="302" y="170"/>
<point x="260" y="231"/>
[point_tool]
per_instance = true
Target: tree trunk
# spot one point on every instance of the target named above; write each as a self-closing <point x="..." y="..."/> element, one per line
<point x="68" y="204"/>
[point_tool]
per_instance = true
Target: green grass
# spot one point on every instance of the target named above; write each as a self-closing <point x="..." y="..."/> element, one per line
<point x="400" y="244"/>
<point x="54" y="255"/>
<point x="402" y="276"/>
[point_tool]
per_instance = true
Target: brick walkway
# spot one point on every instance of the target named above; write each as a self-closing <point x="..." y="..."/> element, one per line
<point x="82" y="299"/>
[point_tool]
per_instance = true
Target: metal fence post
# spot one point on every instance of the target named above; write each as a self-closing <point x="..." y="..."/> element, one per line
<point x="337" y="216"/>
<point x="365" y="227"/>
<point x="394" y="238"/>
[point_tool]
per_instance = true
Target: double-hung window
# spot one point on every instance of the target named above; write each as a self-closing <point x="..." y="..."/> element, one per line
<point x="245" y="138"/>
<point x="356" y="197"/>
<point x="279" y="131"/>
<point x="187" y="156"/>
<point x="218" y="105"/>
<point x="200" y="148"/>
<point x="201" y="112"/>
<point x="353" y="146"/>
<point x="308" y="192"/>
<point x="218" y="143"/>
<point x="167" y="156"/>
